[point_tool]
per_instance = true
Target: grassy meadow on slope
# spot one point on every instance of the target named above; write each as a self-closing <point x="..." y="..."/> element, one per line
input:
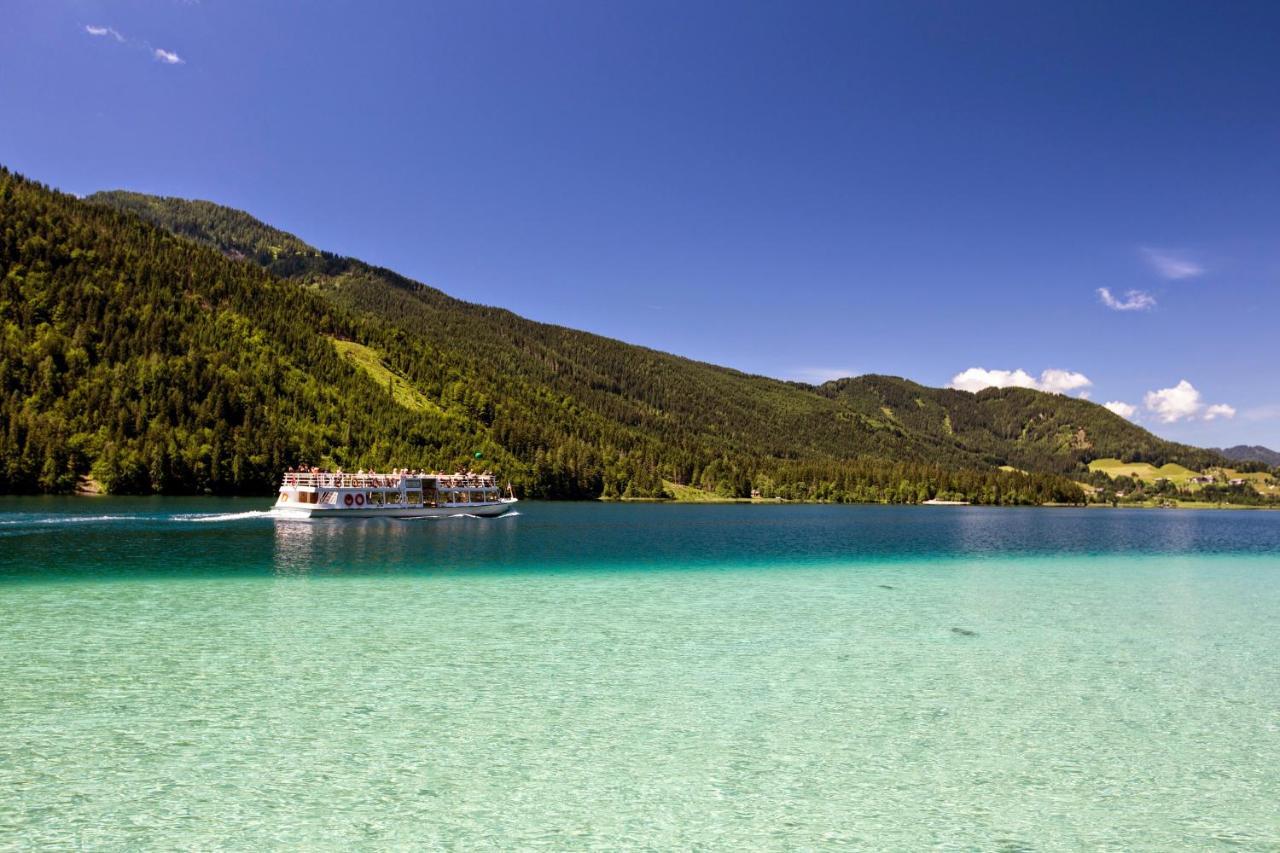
<point x="1143" y="482"/>
<point x="370" y="361"/>
<point x="1178" y="474"/>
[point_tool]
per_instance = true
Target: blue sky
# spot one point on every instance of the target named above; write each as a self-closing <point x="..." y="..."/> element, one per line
<point x="960" y="193"/>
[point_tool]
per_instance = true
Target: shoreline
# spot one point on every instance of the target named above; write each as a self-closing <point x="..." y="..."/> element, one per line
<point x="711" y="498"/>
<point x="715" y="499"/>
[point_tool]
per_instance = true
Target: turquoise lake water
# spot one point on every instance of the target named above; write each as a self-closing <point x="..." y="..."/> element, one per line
<point x="192" y="674"/>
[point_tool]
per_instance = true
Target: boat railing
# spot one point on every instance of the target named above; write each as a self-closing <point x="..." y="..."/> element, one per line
<point x="372" y="480"/>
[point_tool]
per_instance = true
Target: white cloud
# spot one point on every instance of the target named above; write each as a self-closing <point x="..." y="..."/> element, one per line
<point x="1174" y="404"/>
<point x="1183" y="402"/>
<point x="1053" y="380"/>
<point x="1134" y="300"/>
<point x="1178" y="403"/>
<point x="103" y="31"/>
<point x="1124" y="410"/>
<point x="1172" y="265"/>
<point x="1063" y="381"/>
<point x="167" y="57"/>
<point x="977" y="378"/>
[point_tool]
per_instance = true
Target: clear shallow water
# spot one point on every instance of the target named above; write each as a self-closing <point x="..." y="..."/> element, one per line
<point x="193" y="674"/>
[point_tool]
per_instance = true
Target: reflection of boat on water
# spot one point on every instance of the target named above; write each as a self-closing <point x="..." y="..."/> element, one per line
<point x="322" y="494"/>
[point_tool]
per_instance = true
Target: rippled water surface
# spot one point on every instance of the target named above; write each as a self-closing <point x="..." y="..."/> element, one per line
<point x="194" y="674"/>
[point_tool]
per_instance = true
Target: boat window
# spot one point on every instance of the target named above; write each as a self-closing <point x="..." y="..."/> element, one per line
<point x="413" y="498"/>
<point x="375" y="498"/>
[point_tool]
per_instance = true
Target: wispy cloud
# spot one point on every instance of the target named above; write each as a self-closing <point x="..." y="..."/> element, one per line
<point x="1124" y="410"/>
<point x="1171" y="264"/>
<point x="1134" y="300"/>
<point x="1184" y="402"/>
<point x="167" y="57"/>
<point x="103" y="31"/>
<point x="1053" y="380"/>
<point x="1263" y="413"/>
<point x="819" y="375"/>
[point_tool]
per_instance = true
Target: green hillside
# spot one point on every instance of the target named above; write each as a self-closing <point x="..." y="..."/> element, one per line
<point x="209" y="360"/>
<point x="153" y="364"/>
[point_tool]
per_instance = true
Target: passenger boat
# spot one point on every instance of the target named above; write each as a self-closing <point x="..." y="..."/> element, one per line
<point x="403" y="494"/>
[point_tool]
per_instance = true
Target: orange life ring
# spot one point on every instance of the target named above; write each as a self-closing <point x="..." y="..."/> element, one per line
<point x="347" y="500"/>
<point x="359" y="499"/>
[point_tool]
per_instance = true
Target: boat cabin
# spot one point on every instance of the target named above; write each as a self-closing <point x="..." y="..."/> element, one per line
<point x="400" y="490"/>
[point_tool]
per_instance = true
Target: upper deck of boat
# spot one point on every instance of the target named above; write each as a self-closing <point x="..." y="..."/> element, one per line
<point x="393" y="480"/>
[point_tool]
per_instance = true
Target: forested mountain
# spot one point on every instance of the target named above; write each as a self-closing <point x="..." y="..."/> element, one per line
<point x="178" y="346"/>
<point x="159" y="365"/>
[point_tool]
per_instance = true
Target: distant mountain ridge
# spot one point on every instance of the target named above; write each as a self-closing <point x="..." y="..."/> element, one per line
<point x="207" y="355"/>
<point x="1251" y="453"/>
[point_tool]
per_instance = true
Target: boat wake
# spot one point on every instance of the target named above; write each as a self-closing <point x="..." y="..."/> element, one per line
<point x="196" y="518"/>
<point x="204" y="517"/>
<point x="65" y="519"/>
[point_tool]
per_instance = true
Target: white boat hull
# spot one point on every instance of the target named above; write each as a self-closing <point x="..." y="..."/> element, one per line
<point x="311" y="511"/>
